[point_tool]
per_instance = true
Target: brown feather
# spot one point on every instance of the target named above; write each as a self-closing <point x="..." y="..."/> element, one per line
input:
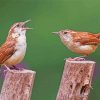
<point x="86" y="38"/>
<point x="7" y="50"/>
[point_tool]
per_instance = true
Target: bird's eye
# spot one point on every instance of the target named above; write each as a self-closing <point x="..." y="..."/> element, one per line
<point x="65" y="32"/>
<point x="23" y="26"/>
<point x="18" y="25"/>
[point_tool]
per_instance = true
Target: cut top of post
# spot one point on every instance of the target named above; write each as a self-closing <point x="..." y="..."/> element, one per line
<point x="23" y="71"/>
<point x="84" y="61"/>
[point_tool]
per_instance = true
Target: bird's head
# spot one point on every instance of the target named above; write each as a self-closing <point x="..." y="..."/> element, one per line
<point x="65" y="35"/>
<point x="18" y="29"/>
<point x="64" y="32"/>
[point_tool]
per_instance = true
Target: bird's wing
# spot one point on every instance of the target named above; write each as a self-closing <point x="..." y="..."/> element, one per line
<point x="86" y="38"/>
<point x="6" y="51"/>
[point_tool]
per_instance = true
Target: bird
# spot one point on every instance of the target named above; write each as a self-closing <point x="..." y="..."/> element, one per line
<point x="13" y="50"/>
<point x="84" y="43"/>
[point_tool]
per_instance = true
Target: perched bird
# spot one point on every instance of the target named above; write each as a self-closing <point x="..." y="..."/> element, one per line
<point x="13" y="50"/>
<point x="83" y="43"/>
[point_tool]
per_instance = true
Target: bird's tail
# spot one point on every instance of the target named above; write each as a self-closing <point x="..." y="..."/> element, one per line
<point x="98" y="35"/>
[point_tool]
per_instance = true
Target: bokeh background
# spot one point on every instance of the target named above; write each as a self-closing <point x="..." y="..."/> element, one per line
<point x="45" y="52"/>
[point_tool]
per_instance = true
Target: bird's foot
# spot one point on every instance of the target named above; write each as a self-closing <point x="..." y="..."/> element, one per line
<point x="81" y="58"/>
<point x="16" y="68"/>
<point x="12" y="68"/>
<point x="76" y="58"/>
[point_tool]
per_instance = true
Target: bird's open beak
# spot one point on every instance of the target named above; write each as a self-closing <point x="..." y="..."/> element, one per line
<point x="26" y="21"/>
<point x="55" y="33"/>
<point x="26" y="28"/>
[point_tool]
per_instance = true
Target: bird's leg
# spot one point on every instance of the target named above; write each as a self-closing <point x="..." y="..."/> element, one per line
<point x="16" y="67"/>
<point x="7" y="67"/>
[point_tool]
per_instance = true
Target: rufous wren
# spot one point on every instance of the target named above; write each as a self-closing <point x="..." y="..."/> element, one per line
<point x="83" y="43"/>
<point x="13" y="50"/>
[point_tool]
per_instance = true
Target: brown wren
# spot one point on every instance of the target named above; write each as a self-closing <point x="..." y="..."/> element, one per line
<point x="13" y="50"/>
<point x="83" y="43"/>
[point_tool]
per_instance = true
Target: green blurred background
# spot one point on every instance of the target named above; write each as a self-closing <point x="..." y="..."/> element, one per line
<point x="45" y="52"/>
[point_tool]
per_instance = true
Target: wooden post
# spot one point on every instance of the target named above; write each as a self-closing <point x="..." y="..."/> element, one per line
<point x="76" y="80"/>
<point x="17" y="85"/>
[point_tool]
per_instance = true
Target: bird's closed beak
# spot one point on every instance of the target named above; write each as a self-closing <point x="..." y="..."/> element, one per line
<point x="26" y="28"/>
<point x="55" y="33"/>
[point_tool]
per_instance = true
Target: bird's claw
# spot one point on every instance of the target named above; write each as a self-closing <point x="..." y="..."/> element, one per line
<point x="79" y="59"/>
<point x="16" y="68"/>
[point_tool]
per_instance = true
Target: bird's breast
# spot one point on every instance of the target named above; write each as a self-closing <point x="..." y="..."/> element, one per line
<point x="20" y="50"/>
<point x="81" y="49"/>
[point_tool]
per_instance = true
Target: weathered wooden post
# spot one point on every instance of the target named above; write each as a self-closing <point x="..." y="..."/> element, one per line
<point x="76" y="80"/>
<point x="17" y="85"/>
